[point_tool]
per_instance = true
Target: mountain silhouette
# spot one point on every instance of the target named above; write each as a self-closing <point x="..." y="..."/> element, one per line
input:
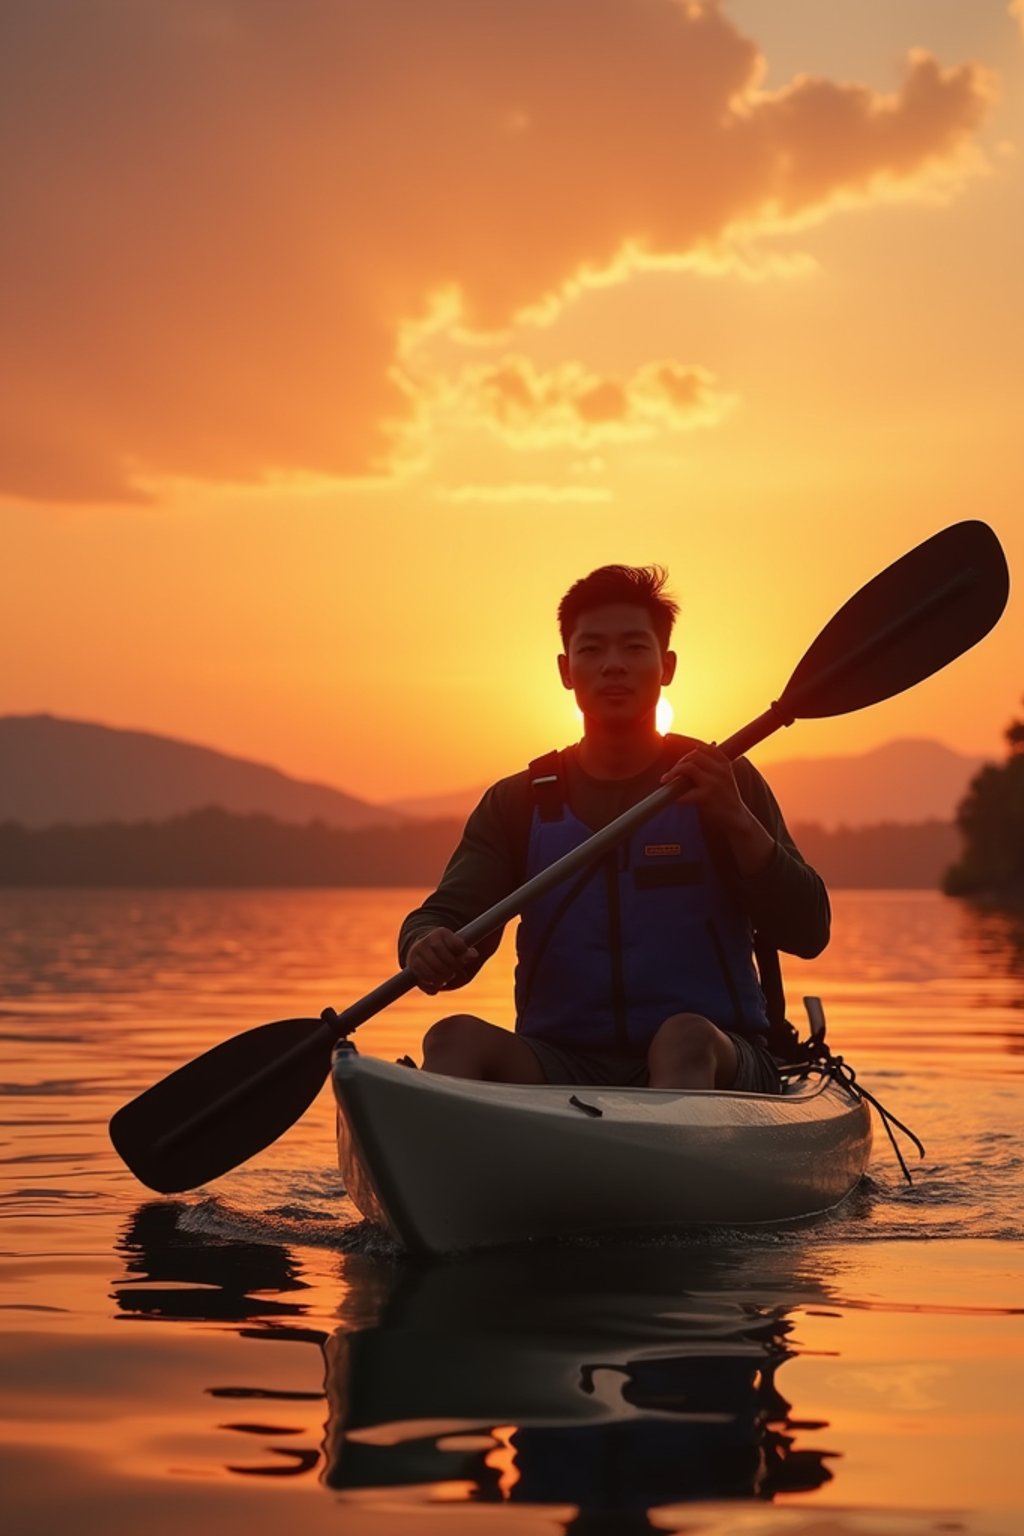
<point x="54" y="770"/>
<point x="910" y="780"/>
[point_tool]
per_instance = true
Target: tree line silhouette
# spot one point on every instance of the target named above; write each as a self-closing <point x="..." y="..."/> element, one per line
<point x="991" y="823"/>
<point x="214" y="847"/>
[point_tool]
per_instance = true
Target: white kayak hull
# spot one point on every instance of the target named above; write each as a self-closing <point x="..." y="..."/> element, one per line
<point x="445" y="1164"/>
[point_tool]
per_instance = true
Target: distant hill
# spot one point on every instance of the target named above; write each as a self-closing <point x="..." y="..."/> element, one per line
<point x="913" y="780"/>
<point x="54" y="770"/>
<point x="457" y="803"/>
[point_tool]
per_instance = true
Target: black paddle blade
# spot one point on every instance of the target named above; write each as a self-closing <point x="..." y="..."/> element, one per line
<point x="911" y="620"/>
<point x="223" y="1107"/>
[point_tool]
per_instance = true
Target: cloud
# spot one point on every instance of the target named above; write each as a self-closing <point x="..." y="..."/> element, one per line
<point x="222" y="218"/>
<point x="535" y="409"/>
<point x="529" y="490"/>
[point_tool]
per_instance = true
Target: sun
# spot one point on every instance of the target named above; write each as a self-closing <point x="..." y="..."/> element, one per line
<point x="664" y="715"/>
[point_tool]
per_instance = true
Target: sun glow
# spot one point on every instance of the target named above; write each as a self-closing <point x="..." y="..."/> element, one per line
<point x="503" y="1460"/>
<point x="664" y="715"/>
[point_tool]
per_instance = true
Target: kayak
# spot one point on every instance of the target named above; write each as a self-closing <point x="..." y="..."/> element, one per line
<point x="445" y="1163"/>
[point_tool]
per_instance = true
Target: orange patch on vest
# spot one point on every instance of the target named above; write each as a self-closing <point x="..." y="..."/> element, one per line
<point x="662" y="850"/>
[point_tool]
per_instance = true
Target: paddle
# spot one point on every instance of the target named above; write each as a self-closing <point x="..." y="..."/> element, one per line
<point x="911" y="620"/>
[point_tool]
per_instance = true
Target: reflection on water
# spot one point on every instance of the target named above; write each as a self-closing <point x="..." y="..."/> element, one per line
<point x="997" y="937"/>
<point x="869" y="1363"/>
<point x="615" y="1379"/>
<point x="174" y="1273"/>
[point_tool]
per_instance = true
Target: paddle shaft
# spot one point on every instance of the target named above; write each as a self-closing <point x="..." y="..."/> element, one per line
<point x="570" y="864"/>
<point x="908" y="622"/>
<point x="772" y="719"/>
<point x="338" y="1026"/>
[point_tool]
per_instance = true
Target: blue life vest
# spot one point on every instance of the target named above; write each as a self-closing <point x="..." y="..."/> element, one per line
<point x="607" y="956"/>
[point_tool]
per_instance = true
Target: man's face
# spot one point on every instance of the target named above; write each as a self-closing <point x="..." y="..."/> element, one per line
<point x="614" y="664"/>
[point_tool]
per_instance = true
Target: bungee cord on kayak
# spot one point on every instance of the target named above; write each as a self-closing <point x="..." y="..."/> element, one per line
<point x="817" y="1054"/>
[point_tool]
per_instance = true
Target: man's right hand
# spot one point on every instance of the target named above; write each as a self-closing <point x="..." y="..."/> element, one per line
<point x="441" y="959"/>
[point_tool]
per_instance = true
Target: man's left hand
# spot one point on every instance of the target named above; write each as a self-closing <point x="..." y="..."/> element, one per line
<point x="706" y="780"/>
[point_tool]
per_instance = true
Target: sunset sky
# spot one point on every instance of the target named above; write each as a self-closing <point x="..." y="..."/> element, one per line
<point x="340" y="337"/>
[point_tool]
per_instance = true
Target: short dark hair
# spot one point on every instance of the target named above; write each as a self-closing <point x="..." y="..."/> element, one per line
<point x="643" y="585"/>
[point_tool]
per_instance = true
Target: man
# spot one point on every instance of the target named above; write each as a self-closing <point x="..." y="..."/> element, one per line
<point x="640" y="971"/>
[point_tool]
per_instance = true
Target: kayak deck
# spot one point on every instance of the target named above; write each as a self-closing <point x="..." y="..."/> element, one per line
<point x="445" y="1163"/>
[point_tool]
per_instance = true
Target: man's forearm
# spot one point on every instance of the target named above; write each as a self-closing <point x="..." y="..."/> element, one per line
<point x="789" y="905"/>
<point x="752" y="846"/>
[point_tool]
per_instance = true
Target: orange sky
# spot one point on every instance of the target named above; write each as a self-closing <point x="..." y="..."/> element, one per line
<point x="340" y="338"/>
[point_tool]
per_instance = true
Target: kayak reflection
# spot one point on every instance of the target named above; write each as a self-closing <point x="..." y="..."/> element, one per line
<point x="177" y="1273"/>
<point x="171" y="1272"/>
<point x="614" y="1379"/>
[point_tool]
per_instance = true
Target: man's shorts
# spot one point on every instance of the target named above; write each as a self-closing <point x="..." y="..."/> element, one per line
<point x="567" y="1064"/>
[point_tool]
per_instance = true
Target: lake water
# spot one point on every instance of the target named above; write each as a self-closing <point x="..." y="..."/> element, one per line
<point x="251" y="1356"/>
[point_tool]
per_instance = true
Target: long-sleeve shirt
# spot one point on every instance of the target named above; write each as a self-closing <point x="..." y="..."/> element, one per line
<point x="785" y="900"/>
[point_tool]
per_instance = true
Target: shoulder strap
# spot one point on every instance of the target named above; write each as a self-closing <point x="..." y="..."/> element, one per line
<point x="783" y="1040"/>
<point x="546" y="789"/>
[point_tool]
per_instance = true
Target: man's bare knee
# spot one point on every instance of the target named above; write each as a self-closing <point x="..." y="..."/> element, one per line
<point x="454" y="1029"/>
<point x="689" y="1051"/>
<point x="686" y="1034"/>
<point x="455" y="1046"/>
<point x="462" y="1045"/>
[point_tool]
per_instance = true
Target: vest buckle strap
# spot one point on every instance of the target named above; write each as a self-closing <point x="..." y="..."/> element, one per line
<point x="546" y="787"/>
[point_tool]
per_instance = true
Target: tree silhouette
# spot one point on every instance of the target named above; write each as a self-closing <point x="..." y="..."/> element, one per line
<point x="991" y="822"/>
